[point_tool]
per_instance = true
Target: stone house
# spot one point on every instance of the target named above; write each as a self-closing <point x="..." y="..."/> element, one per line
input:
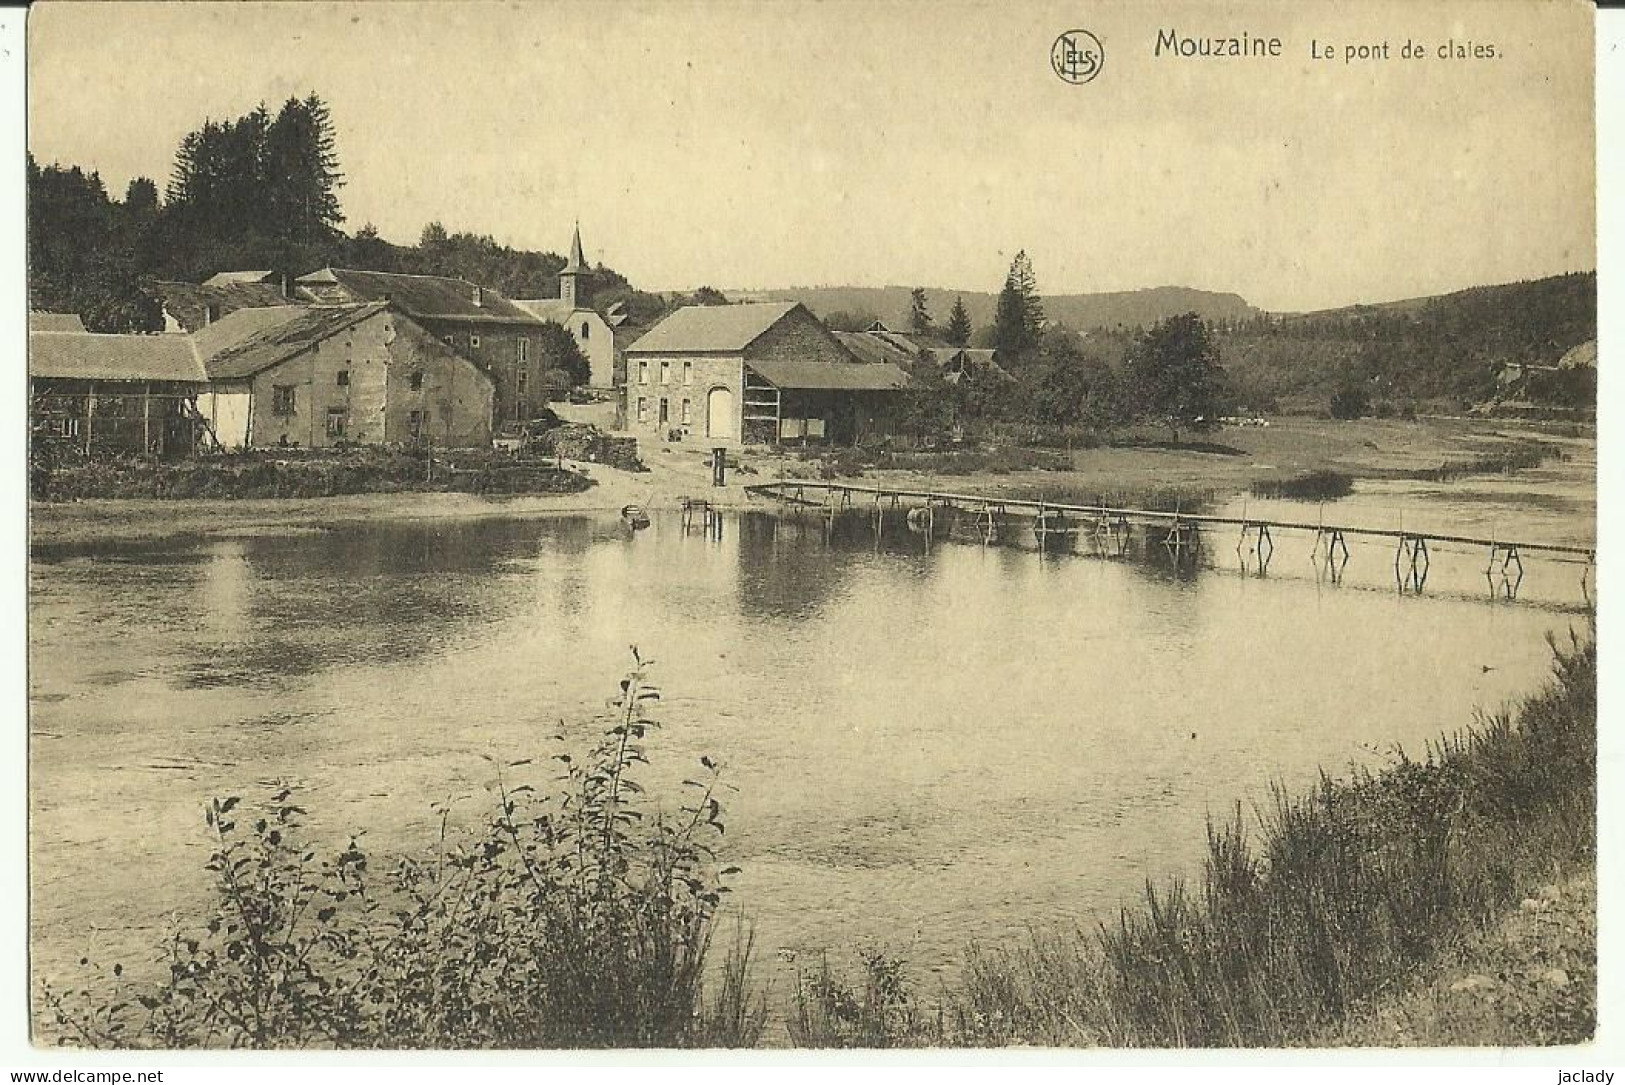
<point x="312" y="376"/>
<point x="476" y="322"/>
<point x="758" y="373"/>
<point x="332" y="374"/>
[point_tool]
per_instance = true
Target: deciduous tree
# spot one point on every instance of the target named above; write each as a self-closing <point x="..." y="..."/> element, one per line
<point x="1174" y="377"/>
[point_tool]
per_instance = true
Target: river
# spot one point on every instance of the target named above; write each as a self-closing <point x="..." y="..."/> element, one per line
<point x="930" y="744"/>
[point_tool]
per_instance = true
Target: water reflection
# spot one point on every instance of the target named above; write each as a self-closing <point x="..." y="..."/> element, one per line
<point x="932" y="740"/>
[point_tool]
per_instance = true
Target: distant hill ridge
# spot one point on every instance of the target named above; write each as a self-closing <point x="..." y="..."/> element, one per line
<point x="1081" y="311"/>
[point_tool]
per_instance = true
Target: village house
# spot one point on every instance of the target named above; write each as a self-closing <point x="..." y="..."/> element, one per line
<point x="308" y="376"/>
<point x="476" y="322"/>
<point x="594" y="332"/>
<point x="758" y="373"/>
<point x="342" y="374"/>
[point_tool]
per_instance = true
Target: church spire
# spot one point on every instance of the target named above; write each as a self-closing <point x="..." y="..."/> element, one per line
<point x="575" y="269"/>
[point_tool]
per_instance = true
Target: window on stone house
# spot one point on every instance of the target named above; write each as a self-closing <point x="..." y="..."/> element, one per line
<point x="665" y="372"/>
<point x="474" y="342"/>
<point x="688" y="412"/>
<point x="586" y="332"/>
<point x="643" y="372"/>
<point x="337" y="417"/>
<point x="688" y="372"/>
<point x="282" y="399"/>
<point x="417" y="382"/>
<point x="524" y="379"/>
<point x="524" y="351"/>
<point x="414" y="424"/>
<point x="344" y="378"/>
<point x="643" y="409"/>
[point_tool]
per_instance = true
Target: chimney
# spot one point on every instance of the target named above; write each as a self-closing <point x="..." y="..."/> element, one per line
<point x="287" y="285"/>
<point x="479" y="300"/>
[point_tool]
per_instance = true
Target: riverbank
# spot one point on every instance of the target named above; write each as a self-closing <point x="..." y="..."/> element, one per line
<point x="1530" y="979"/>
<point x="1233" y="462"/>
<point x="1445" y="901"/>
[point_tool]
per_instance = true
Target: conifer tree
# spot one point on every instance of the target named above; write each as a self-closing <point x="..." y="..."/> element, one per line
<point x="959" y="328"/>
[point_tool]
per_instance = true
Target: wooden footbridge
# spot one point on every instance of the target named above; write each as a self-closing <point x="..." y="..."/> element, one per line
<point x="1059" y="526"/>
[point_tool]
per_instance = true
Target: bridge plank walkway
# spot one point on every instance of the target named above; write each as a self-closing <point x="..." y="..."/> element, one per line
<point x="794" y="491"/>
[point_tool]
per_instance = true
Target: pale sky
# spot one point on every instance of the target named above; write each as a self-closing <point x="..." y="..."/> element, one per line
<point x="773" y="144"/>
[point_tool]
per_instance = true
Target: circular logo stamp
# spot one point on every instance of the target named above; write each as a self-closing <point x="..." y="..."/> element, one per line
<point x="1077" y="56"/>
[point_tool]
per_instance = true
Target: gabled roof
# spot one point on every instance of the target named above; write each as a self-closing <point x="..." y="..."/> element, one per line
<point x="830" y="376"/>
<point x="422" y="296"/>
<point x="556" y="310"/>
<point x="92" y="356"/>
<point x="714" y="329"/>
<point x="232" y="348"/>
<point x="188" y="303"/>
<point x="872" y="348"/>
<point x="228" y="278"/>
<point x="41" y="321"/>
<point x="277" y="341"/>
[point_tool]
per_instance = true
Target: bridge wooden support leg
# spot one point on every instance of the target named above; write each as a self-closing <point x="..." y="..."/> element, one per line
<point x="1411" y="563"/>
<point x="1330" y="554"/>
<point x="1262" y="546"/>
<point x="1509" y="573"/>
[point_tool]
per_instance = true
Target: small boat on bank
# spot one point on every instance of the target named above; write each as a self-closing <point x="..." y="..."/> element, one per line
<point x="634" y="517"/>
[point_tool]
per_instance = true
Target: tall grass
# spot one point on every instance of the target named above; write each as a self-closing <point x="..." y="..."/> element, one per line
<point x="1333" y="898"/>
<point x="577" y="917"/>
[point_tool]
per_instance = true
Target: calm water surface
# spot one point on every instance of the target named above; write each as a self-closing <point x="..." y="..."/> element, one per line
<point x="929" y="746"/>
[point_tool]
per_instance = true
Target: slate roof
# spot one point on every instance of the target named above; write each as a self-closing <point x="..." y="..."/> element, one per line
<point x="234" y="347"/>
<point x="577" y="262"/>
<point x="830" y="376"/>
<point x="187" y="302"/>
<point x="553" y="309"/>
<point x="872" y="348"/>
<point x="41" y="321"/>
<point x="227" y="278"/>
<point x="423" y="296"/>
<point x="713" y="329"/>
<point x="94" y="356"/>
<point x="276" y="341"/>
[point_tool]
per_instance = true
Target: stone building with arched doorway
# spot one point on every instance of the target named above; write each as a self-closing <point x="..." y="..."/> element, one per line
<point x="759" y="373"/>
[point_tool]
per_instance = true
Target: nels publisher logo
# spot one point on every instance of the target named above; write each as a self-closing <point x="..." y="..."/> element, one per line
<point x="1077" y="56"/>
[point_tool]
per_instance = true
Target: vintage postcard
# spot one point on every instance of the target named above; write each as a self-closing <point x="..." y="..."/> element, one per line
<point x="812" y="525"/>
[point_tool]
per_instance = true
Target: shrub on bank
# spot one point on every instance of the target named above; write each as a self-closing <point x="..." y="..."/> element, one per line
<point x="254" y="475"/>
<point x="580" y="918"/>
<point x="1310" y="486"/>
<point x="1343" y="892"/>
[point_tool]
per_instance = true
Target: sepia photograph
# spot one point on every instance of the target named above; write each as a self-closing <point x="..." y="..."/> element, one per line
<point x="811" y="525"/>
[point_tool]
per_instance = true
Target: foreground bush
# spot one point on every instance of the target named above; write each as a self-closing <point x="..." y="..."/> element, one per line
<point x="580" y="918"/>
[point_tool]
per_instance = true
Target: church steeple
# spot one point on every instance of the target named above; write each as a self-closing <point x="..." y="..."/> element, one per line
<point x="574" y="271"/>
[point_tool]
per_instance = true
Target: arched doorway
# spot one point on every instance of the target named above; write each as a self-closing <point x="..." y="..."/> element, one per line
<point x="719" y="413"/>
